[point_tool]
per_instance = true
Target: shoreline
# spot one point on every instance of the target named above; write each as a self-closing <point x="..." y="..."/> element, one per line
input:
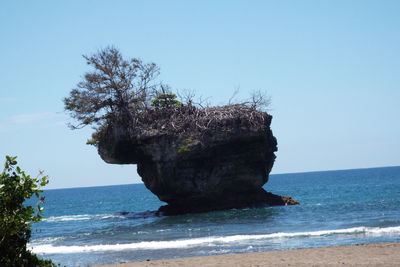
<point x="373" y="254"/>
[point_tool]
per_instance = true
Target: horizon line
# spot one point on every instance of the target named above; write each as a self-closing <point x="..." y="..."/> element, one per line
<point x="300" y="172"/>
<point x="333" y="170"/>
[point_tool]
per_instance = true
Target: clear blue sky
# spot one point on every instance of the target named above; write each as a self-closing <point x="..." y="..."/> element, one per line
<point x="332" y="69"/>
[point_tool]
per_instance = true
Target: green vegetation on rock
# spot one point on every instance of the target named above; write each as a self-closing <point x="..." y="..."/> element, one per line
<point x="165" y="100"/>
<point x="184" y="148"/>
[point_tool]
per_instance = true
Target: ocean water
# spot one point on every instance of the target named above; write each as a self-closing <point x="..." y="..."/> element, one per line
<point x="100" y="225"/>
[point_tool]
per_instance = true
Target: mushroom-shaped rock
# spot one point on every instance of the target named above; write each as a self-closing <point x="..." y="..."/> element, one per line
<point x="198" y="160"/>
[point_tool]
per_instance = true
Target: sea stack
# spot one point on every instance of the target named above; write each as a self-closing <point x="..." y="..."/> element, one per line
<point x="198" y="159"/>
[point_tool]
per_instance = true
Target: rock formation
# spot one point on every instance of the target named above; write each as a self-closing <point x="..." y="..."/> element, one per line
<point x="197" y="159"/>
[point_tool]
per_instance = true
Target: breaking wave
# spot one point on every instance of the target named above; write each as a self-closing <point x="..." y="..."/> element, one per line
<point x="209" y="241"/>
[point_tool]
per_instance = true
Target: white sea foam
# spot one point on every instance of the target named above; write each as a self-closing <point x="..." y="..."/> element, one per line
<point x="81" y="217"/>
<point x="208" y="241"/>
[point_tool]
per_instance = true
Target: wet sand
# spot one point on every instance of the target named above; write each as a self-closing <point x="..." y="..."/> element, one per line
<point x="380" y="254"/>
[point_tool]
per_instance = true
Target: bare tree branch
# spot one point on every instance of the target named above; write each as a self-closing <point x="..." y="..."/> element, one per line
<point x="233" y="95"/>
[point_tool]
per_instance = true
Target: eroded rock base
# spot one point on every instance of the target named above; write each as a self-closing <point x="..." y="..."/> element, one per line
<point x="260" y="198"/>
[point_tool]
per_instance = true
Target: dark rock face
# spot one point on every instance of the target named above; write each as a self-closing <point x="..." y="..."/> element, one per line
<point x="220" y="169"/>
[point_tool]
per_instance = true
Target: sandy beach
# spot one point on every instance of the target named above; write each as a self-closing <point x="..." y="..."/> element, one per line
<point x="381" y="254"/>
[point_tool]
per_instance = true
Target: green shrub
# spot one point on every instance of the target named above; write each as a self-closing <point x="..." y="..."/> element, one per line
<point x="184" y="148"/>
<point x="16" y="218"/>
<point x="92" y="141"/>
<point x="165" y="100"/>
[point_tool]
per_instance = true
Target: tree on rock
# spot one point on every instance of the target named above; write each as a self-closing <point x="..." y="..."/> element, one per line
<point x="116" y="88"/>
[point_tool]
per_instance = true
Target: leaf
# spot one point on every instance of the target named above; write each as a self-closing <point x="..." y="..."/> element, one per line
<point x="16" y="217"/>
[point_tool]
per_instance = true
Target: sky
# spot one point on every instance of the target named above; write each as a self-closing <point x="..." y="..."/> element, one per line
<point x="331" y="68"/>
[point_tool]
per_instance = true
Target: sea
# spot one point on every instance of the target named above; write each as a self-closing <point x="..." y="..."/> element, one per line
<point x="110" y="224"/>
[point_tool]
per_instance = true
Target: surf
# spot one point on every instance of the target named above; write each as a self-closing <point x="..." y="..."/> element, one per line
<point x="210" y="241"/>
